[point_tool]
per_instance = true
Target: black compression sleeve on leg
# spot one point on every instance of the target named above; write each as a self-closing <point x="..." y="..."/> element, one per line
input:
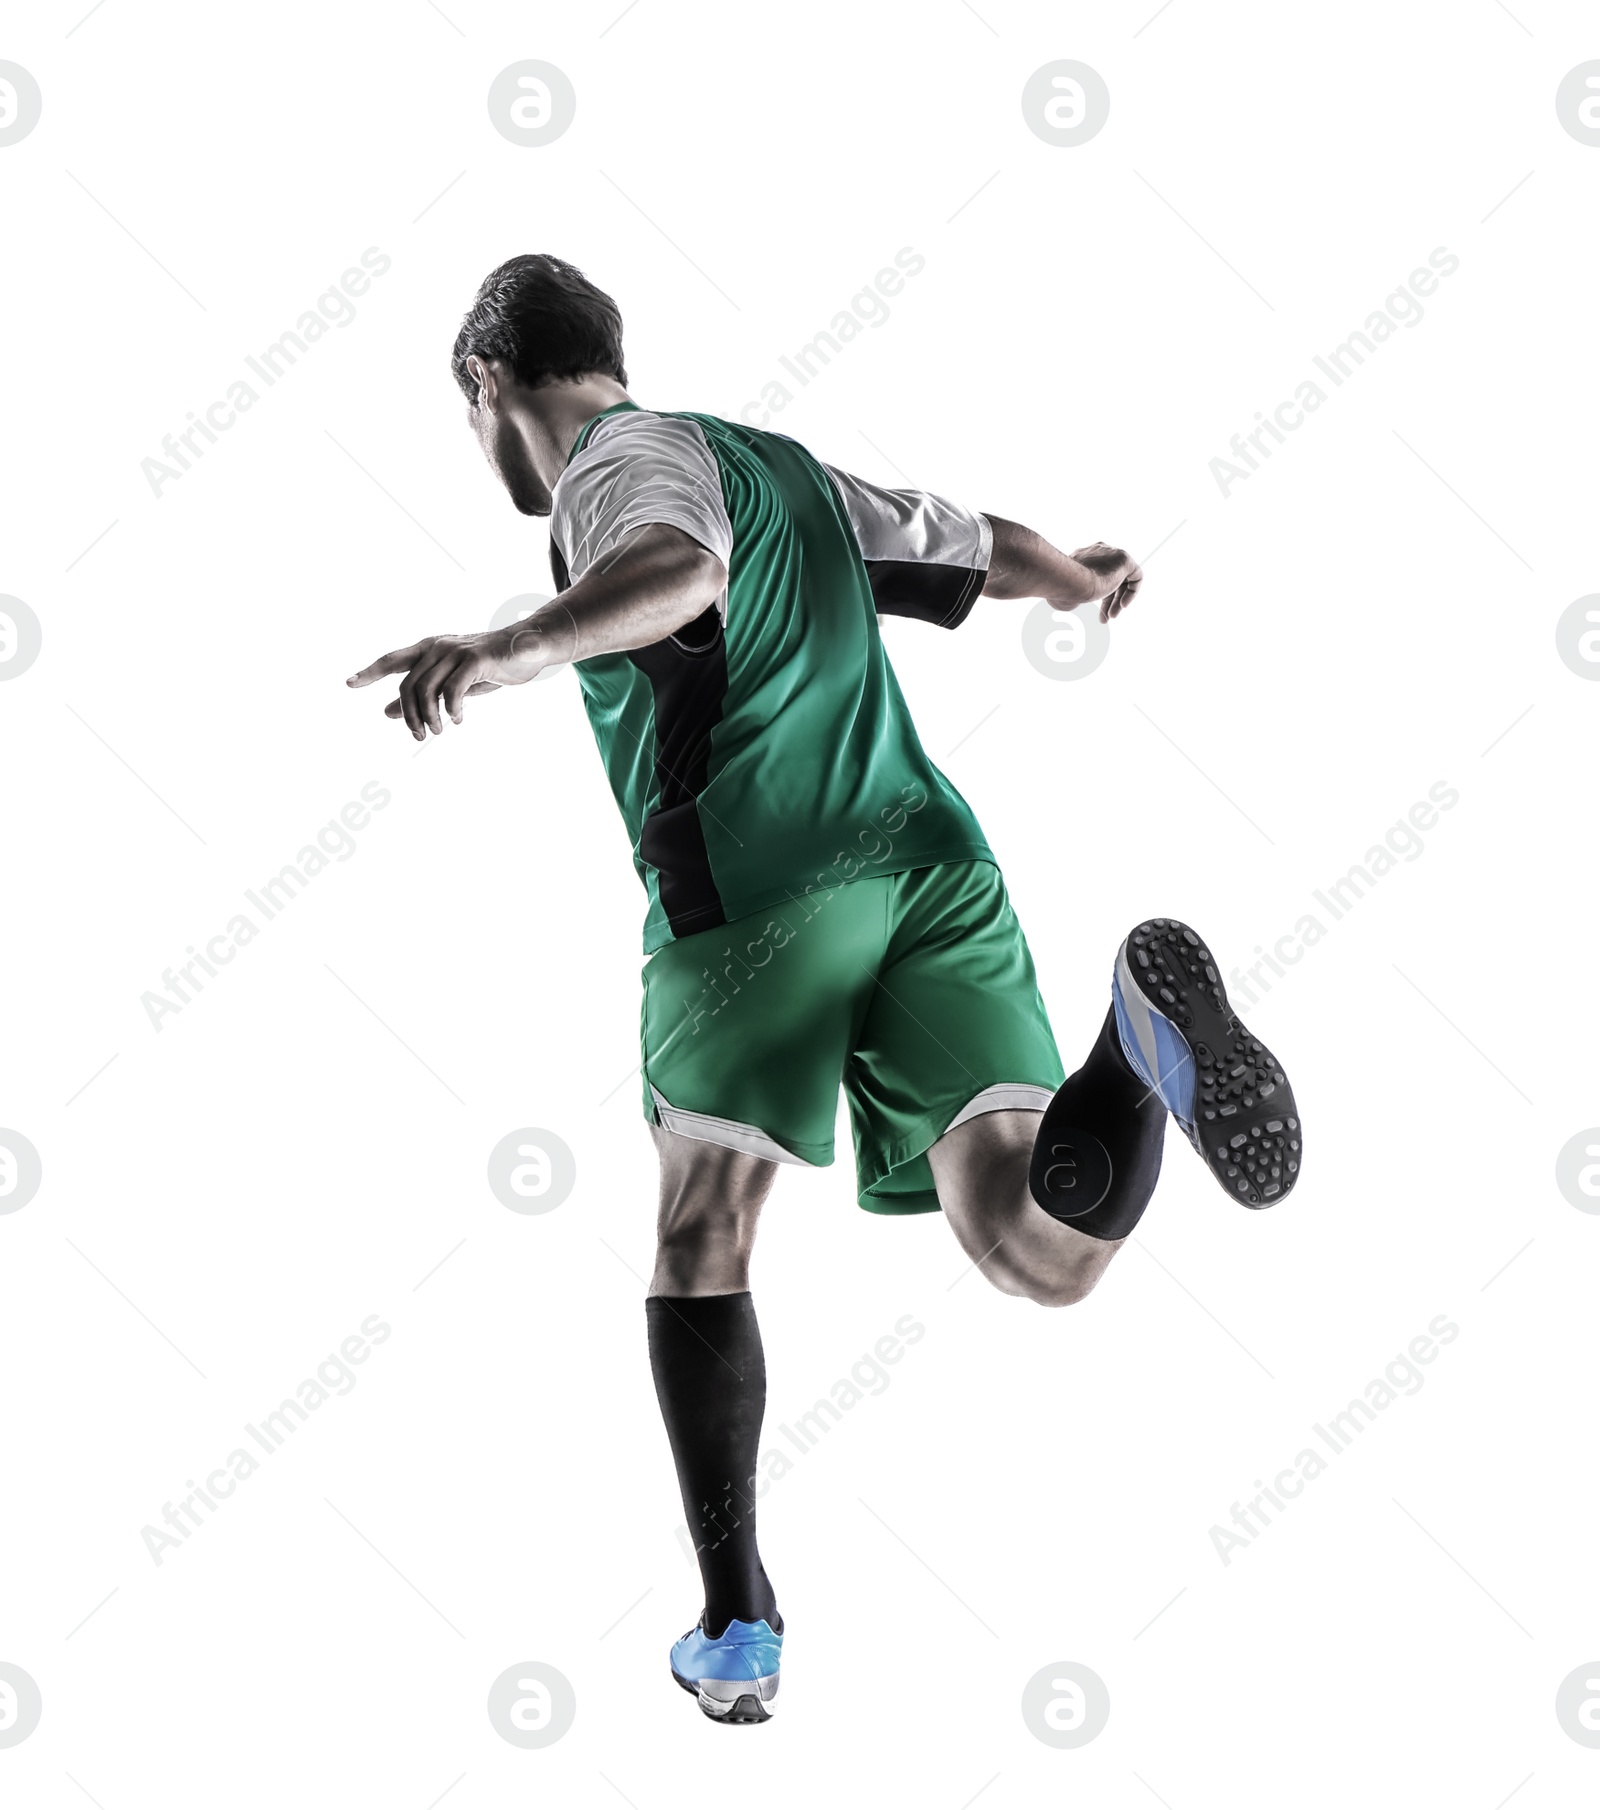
<point x="711" y="1382"/>
<point x="1098" y="1151"/>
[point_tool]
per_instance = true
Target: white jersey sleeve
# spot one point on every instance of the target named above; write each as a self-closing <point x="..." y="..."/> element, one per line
<point x="637" y="468"/>
<point x="925" y="556"/>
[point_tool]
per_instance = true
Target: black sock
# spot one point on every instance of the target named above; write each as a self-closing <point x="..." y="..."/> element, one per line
<point x="1098" y="1152"/>
<point x="711" y="1382"/>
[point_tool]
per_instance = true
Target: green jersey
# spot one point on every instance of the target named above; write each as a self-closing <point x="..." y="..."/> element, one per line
<point x="765" y="751"/>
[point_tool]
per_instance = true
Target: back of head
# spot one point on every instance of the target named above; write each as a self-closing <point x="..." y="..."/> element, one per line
<point x="544" y="319"/>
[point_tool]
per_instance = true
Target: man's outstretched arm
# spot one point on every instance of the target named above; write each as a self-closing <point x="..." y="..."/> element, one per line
<point x="649" y="586"/>
<point x="1024" y="564"/>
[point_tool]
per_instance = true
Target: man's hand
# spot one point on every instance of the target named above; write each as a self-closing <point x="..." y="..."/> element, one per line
<point x="1116" y="573"/>
<point x="1024" y="564"/>
<point x="442" y="671"/>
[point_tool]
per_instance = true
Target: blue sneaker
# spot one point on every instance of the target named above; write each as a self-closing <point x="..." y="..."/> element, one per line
<point x="735" y="1676"/>
<point x="1223" y="1086"/>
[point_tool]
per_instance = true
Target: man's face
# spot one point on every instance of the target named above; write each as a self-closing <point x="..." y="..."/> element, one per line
<point x="490" y="419"/>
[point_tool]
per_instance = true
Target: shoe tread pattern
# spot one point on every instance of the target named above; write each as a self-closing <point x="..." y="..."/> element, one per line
<point x="1247" y="1126"/>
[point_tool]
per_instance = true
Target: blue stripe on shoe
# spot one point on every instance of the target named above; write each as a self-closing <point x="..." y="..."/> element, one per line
<point x="745" y="1651"/>
<point x="1156" y="1049"/>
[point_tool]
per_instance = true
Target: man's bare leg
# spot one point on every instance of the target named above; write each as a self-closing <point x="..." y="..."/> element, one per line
<point x="711" y="1200"/>
<point x="981" y="1173"/>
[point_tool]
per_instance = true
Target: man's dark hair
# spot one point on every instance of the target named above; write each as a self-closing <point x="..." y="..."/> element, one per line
<point x="545" y="319"/>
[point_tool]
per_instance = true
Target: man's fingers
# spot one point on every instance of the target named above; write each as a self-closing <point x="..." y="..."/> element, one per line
<point x="456" y="687"/>
<point x="398" y="661"/>
<point x="429" y="680"/>
<point x="1125" y="592"/>
<point x="396" y="707"/>
<point x="409" y="707"/>
<point x="429" y="686"/>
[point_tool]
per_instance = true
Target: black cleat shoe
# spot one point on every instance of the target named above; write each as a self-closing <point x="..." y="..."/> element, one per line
<point x="1223" y="1086"/>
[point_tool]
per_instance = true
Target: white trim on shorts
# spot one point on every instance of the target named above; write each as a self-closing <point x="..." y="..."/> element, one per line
<point x="732" y="1135"/>
<point x="1008" y="1096"/>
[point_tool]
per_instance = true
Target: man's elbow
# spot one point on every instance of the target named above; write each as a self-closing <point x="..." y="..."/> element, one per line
<point x="708" y="576"/>
<point x="696" y="580"/>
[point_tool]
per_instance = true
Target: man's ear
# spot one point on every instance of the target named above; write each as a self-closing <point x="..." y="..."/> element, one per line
<point x="486" y="378"/>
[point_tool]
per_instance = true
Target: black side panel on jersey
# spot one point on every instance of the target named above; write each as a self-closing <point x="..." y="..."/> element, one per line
<point x="688" y="674"/>
<point x="942" y="595"/>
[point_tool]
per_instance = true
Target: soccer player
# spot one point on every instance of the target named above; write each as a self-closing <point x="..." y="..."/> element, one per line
<point x="823" y="909"/>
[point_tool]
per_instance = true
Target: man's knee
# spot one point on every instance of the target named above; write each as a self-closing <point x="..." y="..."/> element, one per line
<point x="711" y="1201"/>
<point x="1064" y="1292"/>
<point x="700" y="1250"/>
<point x="1049" y="1279"/>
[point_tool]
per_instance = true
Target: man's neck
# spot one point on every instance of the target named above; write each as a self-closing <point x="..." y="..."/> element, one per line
<point x="559" y="411"/>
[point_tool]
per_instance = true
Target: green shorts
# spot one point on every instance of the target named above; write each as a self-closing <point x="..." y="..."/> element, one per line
<point x="915" y="991"/>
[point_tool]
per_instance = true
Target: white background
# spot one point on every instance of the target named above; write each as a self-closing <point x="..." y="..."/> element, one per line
<point x="302" y="1145"/>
